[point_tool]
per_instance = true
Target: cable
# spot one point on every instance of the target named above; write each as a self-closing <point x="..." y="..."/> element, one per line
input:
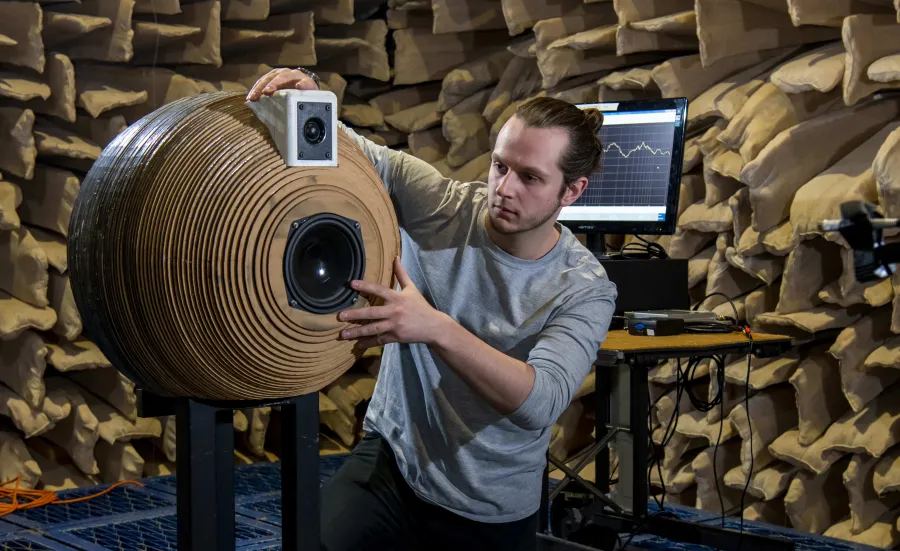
<point x="20" y="498"/>
<point x="719" y="400"/>
<point x="683" y="383"/>
<point x="708" y="327"/>
<point x="718" y="294"/>
<point x="704" y="404"/>
<point x="667" y="437"/>
<point x="720" y="379"/>
<point x="749" y="429"/>
<point x="653" y="250"/>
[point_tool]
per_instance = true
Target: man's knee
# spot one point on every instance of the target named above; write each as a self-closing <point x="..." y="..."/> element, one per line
<point x="360" y="507"/>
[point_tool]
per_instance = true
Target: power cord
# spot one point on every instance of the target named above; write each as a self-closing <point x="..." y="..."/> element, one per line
<point x="719" y="399"/>
<point x="667" y="437"/>
<point x="749" y="334"/>
<point x="725" y="326"/>
<point x="749" y="429"/>
<point x="706" y="405"/>
<point x="683" y="380"/>
<point x="653" y="250"/>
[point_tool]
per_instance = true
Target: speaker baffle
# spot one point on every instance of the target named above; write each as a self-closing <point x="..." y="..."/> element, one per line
<point x="324" y="253"/>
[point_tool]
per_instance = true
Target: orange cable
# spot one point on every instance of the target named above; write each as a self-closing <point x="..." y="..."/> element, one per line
<point x="39" y="498"/>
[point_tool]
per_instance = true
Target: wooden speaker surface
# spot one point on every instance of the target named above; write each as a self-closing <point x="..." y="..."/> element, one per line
<point x="177" y="249"/>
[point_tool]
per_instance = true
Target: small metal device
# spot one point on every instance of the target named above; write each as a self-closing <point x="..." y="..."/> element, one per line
<point x="661" y="327"/>
<point x="685" y="315"/>
<point x="303" y="124"/>
<point x="661" y="323"/>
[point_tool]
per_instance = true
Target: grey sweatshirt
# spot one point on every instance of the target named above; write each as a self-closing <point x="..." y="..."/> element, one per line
<point x="451" y="446"/>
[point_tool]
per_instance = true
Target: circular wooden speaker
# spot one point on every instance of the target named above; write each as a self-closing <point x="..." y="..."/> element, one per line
<point x="204" y="267"/>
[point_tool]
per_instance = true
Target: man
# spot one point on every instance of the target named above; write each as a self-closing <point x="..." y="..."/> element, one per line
<point x="498" y="318"/>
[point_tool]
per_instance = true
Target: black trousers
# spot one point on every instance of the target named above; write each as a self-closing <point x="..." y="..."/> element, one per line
<point x="367" y="505"/>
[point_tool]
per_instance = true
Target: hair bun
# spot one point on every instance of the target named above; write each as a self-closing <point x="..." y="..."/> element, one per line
<point x="594" y="118"/>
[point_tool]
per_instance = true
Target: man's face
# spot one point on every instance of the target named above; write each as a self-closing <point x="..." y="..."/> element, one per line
<point x="525" y="185"/>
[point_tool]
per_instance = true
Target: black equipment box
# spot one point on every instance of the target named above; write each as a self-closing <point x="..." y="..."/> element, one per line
<point x="655" y="328"/>
<point x="647" y="284"/>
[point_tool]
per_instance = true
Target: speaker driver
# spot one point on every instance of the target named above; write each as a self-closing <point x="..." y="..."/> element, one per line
<point x="325" y="252"/>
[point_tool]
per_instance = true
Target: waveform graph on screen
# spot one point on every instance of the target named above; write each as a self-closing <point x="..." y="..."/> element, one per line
<point x="636" y="164"/>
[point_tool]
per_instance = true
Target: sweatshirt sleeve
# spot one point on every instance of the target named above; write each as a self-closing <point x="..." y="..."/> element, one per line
<point x="417" y="189"/>
<point x="564" y="353"/>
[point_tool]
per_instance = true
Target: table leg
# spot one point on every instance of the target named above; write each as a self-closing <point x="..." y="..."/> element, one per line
<point x="641" y="432"/>
<point x="544" y="517"/>
<point x="601" y="462"/>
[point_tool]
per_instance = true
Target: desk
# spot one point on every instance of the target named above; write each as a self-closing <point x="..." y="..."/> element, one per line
<point x="623" y="363"/>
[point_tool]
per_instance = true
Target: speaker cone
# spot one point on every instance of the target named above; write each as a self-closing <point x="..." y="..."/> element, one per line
<point x="325" y="252"/>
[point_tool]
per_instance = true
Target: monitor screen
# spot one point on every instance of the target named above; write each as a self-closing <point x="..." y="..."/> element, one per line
<point x="636" y="189"/>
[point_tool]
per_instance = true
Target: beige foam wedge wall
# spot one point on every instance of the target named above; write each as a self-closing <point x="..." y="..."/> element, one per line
<point x="767" y="79"/>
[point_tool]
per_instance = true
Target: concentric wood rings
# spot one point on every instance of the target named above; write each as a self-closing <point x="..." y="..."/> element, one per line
<point x="177" y="253"/>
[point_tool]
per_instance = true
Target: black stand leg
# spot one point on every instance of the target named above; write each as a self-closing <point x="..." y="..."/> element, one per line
<point x="300" y="474"/>
<point x="544" y="520"/>
<point x="205" y="469"/>
<point x="205" y="481"/>
<point x="596" y="243"/>
<point x="601" y="463"/>
<point x="225" y="477"/>
<point x="641" y="431"/>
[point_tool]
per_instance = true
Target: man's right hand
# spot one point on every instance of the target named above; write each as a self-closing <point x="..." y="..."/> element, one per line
<point x="279" y="79"/>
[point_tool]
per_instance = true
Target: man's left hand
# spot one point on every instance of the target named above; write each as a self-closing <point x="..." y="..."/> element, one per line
<point x="404" y="317"/>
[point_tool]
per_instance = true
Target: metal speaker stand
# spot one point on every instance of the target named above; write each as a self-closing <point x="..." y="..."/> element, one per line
<point x="205" y="469"/>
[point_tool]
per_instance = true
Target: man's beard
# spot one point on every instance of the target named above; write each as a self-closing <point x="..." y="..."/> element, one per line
<point x="528" y="224"/>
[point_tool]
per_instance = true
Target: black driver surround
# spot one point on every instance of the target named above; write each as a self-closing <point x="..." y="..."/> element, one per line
<point x="324" y="253"/>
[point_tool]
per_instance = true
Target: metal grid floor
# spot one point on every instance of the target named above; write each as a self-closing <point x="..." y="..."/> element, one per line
<point x="132" y="518"/>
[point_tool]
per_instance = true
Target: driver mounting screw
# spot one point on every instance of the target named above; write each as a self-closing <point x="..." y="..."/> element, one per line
<point x="295" y="304"/>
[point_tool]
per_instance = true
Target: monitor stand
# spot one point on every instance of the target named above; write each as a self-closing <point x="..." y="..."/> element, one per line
<point x="646" y="283"/>
<point x="596" y="243"/>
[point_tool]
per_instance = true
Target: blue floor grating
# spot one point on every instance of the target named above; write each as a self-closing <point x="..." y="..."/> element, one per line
<point x="29" y="542"/>
<point x="8" y="528"/>
<point x="253" y="481"/>
<point x="270" y="546"/>
<point x="266" y="510"/>
<point x="157" y="533"/>
<point x="132" y="518"/>
<point x="802" y="541"/>
<point x="123" y="501"/>
<point x="249" y="481"/>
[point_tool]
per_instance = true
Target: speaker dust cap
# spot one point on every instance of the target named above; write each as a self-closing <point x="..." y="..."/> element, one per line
<point x="204" y="267"/>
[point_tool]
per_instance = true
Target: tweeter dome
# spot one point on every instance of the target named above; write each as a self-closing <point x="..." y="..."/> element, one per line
<point x="205" y="267"/>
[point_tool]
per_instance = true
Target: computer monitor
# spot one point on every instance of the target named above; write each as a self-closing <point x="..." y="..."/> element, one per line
<point x="636" y="189"/>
